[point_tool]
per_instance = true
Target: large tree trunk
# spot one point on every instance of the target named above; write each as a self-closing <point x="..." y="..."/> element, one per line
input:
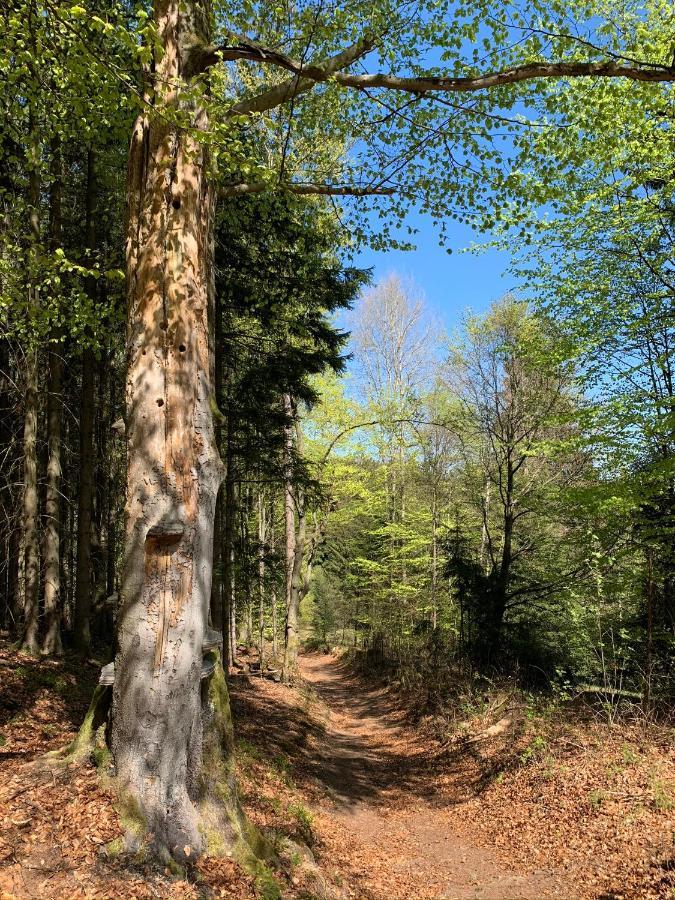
<point x="173" y="467"/>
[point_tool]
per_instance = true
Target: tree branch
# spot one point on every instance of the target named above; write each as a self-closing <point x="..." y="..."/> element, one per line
<point x="306" y="74"/>
<point x="293" y="87"/>
<point x="304" y="188"/>
<point x="528" y="72"/>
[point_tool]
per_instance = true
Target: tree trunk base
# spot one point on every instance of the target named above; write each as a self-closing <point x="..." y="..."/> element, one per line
<point x="212" y="804"/>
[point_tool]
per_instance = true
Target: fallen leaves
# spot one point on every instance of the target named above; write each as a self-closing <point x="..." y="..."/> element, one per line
<point x="392" y="811"/>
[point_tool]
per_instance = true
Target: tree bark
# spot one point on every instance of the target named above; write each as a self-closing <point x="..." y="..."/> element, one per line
<point x="217" y="597"/>
<point x="83" y="586"/>
<point x="229" y="640"/>
<point x="434" y="556"/>
<point x="262" y="534"/>
<point x="290" y="628"/>
<point x="29" y="641"/>
<point x="273" y="591"/>
<point x="290" y="664"/>
<point x="173" y="467"/>
<point x="52" y="551"/>
<point x="301" y="572"/>
<point x="217" y="578"/>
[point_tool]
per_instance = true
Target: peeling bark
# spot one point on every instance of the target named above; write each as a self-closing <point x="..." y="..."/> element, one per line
<point x="173" y="467"/>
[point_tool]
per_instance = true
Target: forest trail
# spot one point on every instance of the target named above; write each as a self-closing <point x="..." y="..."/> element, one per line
<point x="384" y="793"/>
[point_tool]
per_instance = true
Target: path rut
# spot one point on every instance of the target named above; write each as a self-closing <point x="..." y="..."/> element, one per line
<point x="381" y="789"/>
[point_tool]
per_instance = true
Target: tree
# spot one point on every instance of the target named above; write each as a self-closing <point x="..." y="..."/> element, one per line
<point x="517" y="405"/>
<point x="604" y="275"/>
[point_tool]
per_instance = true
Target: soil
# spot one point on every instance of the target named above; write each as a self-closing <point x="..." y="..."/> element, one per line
<point x="374" y="766"/>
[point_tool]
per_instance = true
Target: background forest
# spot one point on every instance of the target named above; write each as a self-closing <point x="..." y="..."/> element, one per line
<point x="499" y="498"/>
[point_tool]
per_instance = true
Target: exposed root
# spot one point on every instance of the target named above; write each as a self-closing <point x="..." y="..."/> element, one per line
<point x="91" y="739"/>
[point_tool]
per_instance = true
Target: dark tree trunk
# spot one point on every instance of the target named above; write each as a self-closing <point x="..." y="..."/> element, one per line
<point x="84" y="586"/>
<point x="52" y="551"/>
<point x="31" y="551"/>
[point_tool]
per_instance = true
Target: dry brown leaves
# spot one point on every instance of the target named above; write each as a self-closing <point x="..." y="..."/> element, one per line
<point x="595" y="802"/>
<point x="590" y="802"/>
<point x="56" y="822"/>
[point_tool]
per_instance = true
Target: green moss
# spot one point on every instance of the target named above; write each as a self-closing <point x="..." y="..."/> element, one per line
<point x="266" y="884"/>
<point x="84" y="742"/>
<point x="101" y="757"/>
<point x="132" y="819"/>
<point x="114" y="847"/>
<point x="304" y="819"/>
<point x="175" y="868"/>
<point x="223" y="825"/>
<point x="219" y="700"/>
<point x="215" y="411"/>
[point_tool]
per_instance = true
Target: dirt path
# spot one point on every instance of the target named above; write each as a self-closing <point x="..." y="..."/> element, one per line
<point x="383" y="793"/>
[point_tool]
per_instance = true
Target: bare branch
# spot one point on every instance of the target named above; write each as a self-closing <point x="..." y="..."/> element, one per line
<point x="293" y="87"/>
<point x="528" y="72"/>
<point x="307" y="74"/>
<point x="305" y="188"/>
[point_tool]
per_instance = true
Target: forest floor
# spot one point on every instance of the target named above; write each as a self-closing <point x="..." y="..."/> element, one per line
<point x="511" y="802"/>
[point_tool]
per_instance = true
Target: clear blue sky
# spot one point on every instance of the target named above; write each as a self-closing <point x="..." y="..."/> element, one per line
<point x="451" y="282"/>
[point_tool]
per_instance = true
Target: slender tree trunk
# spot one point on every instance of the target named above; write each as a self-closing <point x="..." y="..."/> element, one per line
<point x="273" y="589"/>
<point x="229" y="644"/>
<point x="247" y="632"/>
<point x="484" y="557"/>
<point x="649" y="646"/>
<point x="111" y="517"/>
<point x="291" y="623"/>
<point x="85" y="499"/>
<point x="434" y="558"/>
<point x="30" y="507"/>
<point x="217" y="579"/>
<point x="226" y="547"/>
<point x="289" y="502"/>
<point x="69" y="611"/>
<point x="14" y="594"/>
<point x="52" y="550"/>
<point x="299" y="583"/>
<point x="290" y="664"/>
<point x="217" y="600"/>
<point x="500" y="588"/>
<point x="262" y="529"/>
<point x="29" y="640"/>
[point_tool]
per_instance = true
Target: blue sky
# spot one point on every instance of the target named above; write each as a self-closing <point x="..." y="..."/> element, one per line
<point x="451" y="282"/>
